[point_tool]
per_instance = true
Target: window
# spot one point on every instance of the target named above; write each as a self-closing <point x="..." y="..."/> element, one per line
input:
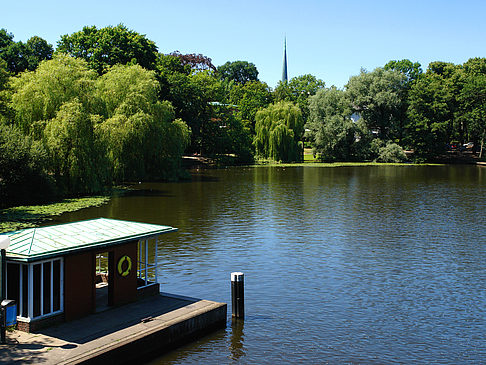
<point x="37" y="288"/>
<point x="147" y="262"/>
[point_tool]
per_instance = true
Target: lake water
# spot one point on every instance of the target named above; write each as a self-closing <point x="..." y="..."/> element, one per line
<point x="342" y="265"/>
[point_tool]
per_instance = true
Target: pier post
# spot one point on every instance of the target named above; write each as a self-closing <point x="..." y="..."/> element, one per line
<point x="238" y="294"/>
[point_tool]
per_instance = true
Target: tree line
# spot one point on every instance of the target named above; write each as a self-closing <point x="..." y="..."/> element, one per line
<point x="106" y="107"/>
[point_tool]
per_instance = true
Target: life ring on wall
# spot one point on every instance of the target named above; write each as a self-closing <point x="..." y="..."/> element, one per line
<point x="120" y="266"/>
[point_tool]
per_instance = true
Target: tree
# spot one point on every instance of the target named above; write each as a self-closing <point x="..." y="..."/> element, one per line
<point x="332" y="132"/>
<point x="430" y="116"/>
<point x="412" y="70"/>
<point x="99" y="128"/>
<point x="23" y="56"/>
<point x="138" y="130"/>
<point x="279" y="129"/>
<point x="108" y="46"/>
<point x="197" y="62"/>
<point x="225" y="135"/>
<point x="472" y="101"/>
<point x="38" y="50"/>
<point x="76" y="157"/>
<point x="248" y="98"/>
<point x="378" y="97"/>
<point x="23" y="162"/>
<point x="5" y="39"/>
<point x="240" y="72"/>
<point x="37" y="96"/>
<point x="4" y="79"/>
<point x="298" y="90"/>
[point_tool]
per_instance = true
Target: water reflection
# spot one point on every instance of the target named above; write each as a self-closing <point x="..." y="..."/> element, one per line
<point x="237" y="339"/>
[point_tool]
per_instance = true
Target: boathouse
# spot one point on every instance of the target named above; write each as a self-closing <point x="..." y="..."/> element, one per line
<point x="63" y="272"/>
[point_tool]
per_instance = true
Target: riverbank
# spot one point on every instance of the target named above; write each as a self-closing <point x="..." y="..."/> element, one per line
<point x="20" y="217"/>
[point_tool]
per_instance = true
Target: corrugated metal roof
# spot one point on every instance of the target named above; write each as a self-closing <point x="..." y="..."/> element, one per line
<point x="34" y="244"/>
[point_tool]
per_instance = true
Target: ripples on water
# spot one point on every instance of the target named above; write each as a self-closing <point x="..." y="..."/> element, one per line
<point x="342" y="265"/>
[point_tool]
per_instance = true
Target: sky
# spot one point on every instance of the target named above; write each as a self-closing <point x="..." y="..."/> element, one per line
<point x="331" y="40"/>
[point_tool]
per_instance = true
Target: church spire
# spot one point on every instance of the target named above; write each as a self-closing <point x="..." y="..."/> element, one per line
<point x="284" y="69"/>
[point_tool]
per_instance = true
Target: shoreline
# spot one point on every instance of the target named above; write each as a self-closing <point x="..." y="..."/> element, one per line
<point x="29" y="216"/>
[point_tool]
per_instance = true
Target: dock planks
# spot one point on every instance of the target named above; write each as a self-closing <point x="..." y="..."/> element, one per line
<point x="132" y="332"/>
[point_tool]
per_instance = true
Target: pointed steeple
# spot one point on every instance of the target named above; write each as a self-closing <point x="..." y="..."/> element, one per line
<point x="284" y="69"/>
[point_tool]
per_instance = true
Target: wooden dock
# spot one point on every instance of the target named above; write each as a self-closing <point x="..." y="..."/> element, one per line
<point x="132" y="333"/>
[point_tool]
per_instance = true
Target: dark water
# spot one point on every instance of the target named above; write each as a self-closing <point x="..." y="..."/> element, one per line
<point x="342" y="265"/>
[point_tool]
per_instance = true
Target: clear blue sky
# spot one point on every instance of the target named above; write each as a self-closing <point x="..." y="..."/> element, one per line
<point x="329" y="39"/>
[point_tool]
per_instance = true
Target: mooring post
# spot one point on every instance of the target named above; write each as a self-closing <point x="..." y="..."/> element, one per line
<point x="238" y="294"/>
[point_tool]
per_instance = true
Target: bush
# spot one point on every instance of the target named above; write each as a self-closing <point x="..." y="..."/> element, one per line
<point x="392" y="152"/>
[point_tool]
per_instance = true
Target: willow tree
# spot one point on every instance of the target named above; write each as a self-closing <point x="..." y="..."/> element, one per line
<point x="76" y="157"/>
<point x="139" y="131"/>
<point x="52" y="104"/>
<point x="98" y="128"/>
<point x="38" y="95"/>
<point x="279" y="129"/>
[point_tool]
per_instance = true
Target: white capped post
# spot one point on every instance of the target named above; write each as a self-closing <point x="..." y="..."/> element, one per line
<point x="238" y="294"/>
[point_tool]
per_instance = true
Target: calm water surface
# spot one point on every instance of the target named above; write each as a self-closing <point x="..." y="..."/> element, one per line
<point x="342" y="265"/>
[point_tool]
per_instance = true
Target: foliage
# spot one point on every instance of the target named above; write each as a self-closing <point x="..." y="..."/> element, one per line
<point x="105" y="47"/>
<point x="248" y="98"/>
<point x="239" y="72"/>
<point x="279" y="129"/>
<point x="392" y="152"/>
<point x="412" y="70"/>
<point x="471" y="113"/>
<point x="298" y="90"/>
<point x="196" y="62"/>
<point x="225" y="134"/>
<point x="430" y="115"/>
<point x="73" y="150"/>
<point x="21" y="56"/>
<point x="5" y="110"/>
<point x="96" y="129"/>
<point x="190" y="93"/>
<point x="334" y="135"/>
<point x="377" y="97"/>
<point x="23" y="164"/>
<point x="138" y="132"/>
<point x="38" y="95"/>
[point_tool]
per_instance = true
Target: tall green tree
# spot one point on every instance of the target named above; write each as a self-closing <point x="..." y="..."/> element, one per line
<point x="378" y="97"/>
<point x="139" y="130"/>
<point x="472" y="102"/>
<point x="37" y="96"/>
<point x="76" y="157"/>
<point x="21" y="56"/>
<point x="412" y="70"/>
<point x="240" y="72"/>
<point x="333" y="134"/>
<point x="298" y="90"/>
<point x="108" y="46"/>
<point x="430" y="116"/>
<point x="191" y="92"/>
<point x="248" y="98"/>
<point x="279" y="129"/>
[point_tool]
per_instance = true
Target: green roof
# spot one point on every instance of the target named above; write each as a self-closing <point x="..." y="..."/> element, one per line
<point x="34" y="244"/>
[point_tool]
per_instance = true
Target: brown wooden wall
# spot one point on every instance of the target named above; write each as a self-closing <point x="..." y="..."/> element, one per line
<point x="123" y="288"/>
<point x="79" y="287"/>
<point x="79" y="280"/>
